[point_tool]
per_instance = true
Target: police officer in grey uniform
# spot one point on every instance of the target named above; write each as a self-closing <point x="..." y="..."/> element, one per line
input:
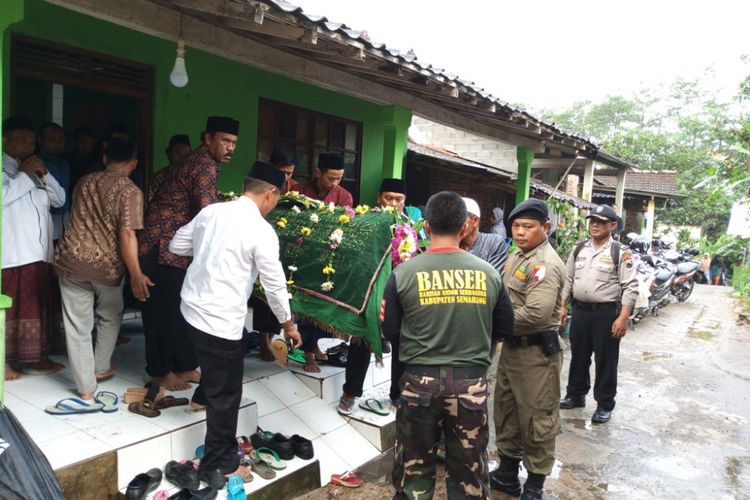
<point x="603" y="283"/>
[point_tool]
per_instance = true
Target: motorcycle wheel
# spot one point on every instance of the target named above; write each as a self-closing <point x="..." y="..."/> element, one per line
<point x="685" y="291"/>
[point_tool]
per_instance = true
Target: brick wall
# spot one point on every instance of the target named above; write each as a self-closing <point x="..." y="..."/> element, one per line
<point x="495" y="153"/>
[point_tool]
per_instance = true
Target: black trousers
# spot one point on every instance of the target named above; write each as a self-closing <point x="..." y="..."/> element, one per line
<point x="397" y="371"/>
<point x="168" y="345"/>
<point x="222" y="366"/>
<point x="591" y="332"/>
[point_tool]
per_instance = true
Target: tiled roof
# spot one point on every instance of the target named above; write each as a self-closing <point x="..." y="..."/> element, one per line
<point x="443" y="154"/>
<point x="658" y="182"/>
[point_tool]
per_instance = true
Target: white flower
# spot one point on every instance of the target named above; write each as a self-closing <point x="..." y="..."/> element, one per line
<point x="296" y="209"/>
<point x="290" y="296"/>
<point x="337" y="235"/>
<point x="314" y="218"/>
<point x="405" y="256"/>
<point x="331" y="208"/>
<point x="292" y="268"/>
<point x="327" y="286"/>
<point x="389" y="210"/>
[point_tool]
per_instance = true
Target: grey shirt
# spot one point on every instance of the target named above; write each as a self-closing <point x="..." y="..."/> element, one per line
<point x="492" y="249"/>
<point x="593" y="276"/>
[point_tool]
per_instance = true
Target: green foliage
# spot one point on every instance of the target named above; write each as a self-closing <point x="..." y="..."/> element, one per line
<point x="741" y="283"/>
<point x="731" y="248"/>
<point x="571" y="228"/>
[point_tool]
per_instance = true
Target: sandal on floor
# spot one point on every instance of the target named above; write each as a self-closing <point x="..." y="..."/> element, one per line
<point x="348" y="479"/>
<point x="146" y="408"/>
<point x="298" y="356"/>
<point x="259" y="467"/>
<point x="108" y="399"/>
<point x="374" y="406"/>
<point x="348" y="407"/>
<point x="243" y="442"/>
<point x="169" y="402"/>
<point x="280" y="351"/>
<point x="236" y="488"/>
<point x="72" y="406"/>
<point x="270" y="457"/>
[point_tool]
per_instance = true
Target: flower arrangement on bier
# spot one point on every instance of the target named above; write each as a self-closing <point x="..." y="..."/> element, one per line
<point x="228" y="196"/>
<point x="404" y="244"/>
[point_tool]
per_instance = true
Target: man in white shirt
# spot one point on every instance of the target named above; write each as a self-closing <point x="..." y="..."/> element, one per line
<point x="231" y="245"/>
<point x="28" y="194"/>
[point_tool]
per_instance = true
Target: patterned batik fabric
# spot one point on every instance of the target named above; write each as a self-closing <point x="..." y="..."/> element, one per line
<point x="103" y="204"/>
<point x="26" y="322"/>
<point x="185" y="190"/>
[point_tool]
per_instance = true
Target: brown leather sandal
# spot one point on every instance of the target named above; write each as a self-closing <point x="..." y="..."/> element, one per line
<point x="147" y="408"/>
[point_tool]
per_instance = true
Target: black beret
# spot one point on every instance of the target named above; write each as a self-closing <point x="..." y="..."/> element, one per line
<point x="393" y="186"/>
<point x="530" y="209"/>
<point x="16" y="123"/>
<point x="330" y="161"/>
<point x="178" y="139"/>
<point x="267" y="173"/>
<point x="222" y="124"/>
<point x="603" y="212"/>
<point x="279" y="158"/>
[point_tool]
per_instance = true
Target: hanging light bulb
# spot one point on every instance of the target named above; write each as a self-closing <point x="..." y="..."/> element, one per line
<point x="179" y="76"/>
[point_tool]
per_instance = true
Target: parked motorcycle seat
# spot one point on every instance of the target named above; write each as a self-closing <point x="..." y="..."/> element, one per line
<point x="687" y="267"/>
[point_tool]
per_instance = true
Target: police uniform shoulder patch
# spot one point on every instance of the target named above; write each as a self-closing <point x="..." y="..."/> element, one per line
<point x="539" y="272"/>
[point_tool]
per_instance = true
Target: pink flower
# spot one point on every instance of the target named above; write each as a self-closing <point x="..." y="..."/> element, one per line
<point x="404" y="244"/>
<point x="300" y="241"/>
<point x="334" y="246"/>
<point x="350" y="212"/>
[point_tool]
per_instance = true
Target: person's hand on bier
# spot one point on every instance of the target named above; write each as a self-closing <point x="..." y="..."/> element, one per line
<point x="140" y="284"/>
<point x="291" y="333"/>
<point x="620" y="328"/>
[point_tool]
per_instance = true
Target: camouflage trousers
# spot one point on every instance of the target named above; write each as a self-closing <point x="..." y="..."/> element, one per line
<point x="527" y="406"/>
<point x="455" y="407"/>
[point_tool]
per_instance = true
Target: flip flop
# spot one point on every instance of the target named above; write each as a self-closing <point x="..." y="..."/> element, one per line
<point x="280" y="351"/>
<point x="200" y="451"/>
<point x="169" y="402"/>
<point x="348" y="479"/>
<point x="245" y="445"/>
<point x="348" y="407"/>
<point x="145" y="408"/>
<point x="260" y="467"/>
<point x="298" y="356"/>
<point x="236" y="488"/>
<point x="270" y="457"/>
<point x="108" y="399"/>
<point x="72" y="406"/>
<point x="374" y="406"/>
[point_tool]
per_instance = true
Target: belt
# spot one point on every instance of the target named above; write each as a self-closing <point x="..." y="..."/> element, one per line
<point x="525" y="340"/>
<point x="594" y="306"/>
<point x="459" y="372"/>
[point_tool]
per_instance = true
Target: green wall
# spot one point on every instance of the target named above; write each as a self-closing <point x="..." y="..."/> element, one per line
<point x="218" y="86"/>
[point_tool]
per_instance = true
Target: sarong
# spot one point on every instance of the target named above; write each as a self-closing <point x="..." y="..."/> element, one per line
<point x="26" y="322"/>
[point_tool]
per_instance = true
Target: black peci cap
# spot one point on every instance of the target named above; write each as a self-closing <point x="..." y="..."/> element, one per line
<point x="280" y="158"/>
<point x="268" y="173"/>
<point x="222" y="124"/>
<point x="530" y="209"/>
<point x="178" y="139"/>
<point x="603" y="212"/>
<point x="16" y="122"/>
<point x="330" y="161"/>
<point x="393" y="186"/>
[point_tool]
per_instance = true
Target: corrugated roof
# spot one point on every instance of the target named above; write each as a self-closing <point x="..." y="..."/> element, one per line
<point x="657" y="182"/>
<point x="355" y="52"/>
<point x="549" y="191"/>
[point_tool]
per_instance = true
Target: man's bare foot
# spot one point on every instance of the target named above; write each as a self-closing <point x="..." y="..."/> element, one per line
<point x="171" y="382"/>
<point x="193" y="376"/>
<point x="310" y="365"/>
<point x="244" y="472"/>
<point x="47" y="364"/>
<point x="87" y="396"/>
<point x="10" y="373"/>
<point x="320" y="355"/>
<point x="265" y="347"/>
<point x="108" y="373"/>
<point x="197" y="406"/>
<point x="122" y="340"/>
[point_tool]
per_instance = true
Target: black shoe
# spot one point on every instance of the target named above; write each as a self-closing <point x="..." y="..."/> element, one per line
<point x="303" y="447"/>
<point x="182" y="475"/>
<point x="143" y="484"/>
<point x="279" y="443"/>
<point x="213" y="478"/>
<point x="601" y="416"/>
<point x="204" y="494"/>
<point x="571" y="402"/>
<point x="183" y="494"/>
<point x="532" y="493"/>
<point x="507" y="483"/>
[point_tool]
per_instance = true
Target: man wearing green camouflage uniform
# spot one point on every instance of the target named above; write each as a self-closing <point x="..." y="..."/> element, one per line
<point x="527" y="394"/>
<point x="448" y="309"/>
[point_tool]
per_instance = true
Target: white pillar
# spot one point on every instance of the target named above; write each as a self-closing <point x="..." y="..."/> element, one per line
<point x="650" y="218"/>
<point x="588" y="180"/>
<point x="620" y="191"/>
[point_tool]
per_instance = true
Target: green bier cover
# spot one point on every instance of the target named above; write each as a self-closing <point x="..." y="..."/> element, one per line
<point x="361" y="262"/>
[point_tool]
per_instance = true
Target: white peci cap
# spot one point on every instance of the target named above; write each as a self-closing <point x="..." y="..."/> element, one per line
<point x="472" y="207"/>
